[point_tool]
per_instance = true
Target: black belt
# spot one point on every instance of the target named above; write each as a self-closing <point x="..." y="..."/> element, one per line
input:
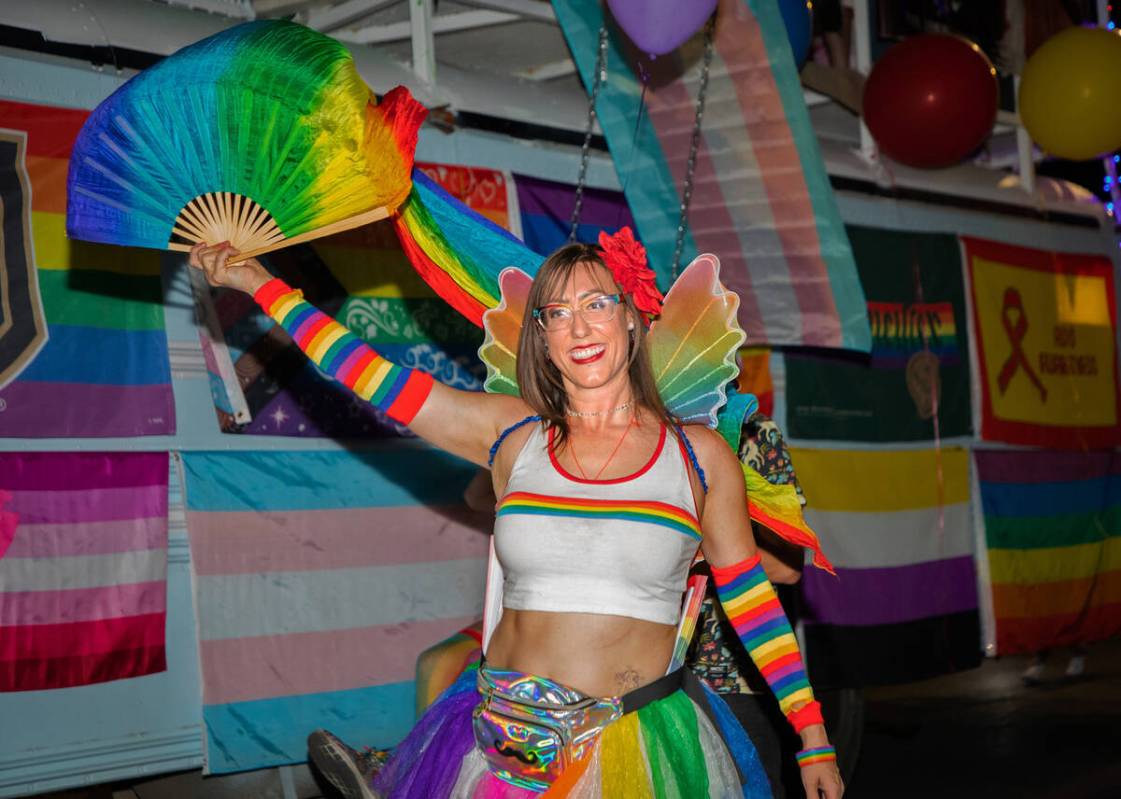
<point x="652" y="692"/>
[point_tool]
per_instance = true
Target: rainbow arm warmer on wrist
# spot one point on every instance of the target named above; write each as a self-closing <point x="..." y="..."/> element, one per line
<point x="397" y="390"/>
<point x="752" y="606"/>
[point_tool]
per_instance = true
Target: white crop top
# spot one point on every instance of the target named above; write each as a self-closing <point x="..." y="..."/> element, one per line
<point x="621" y="547"/>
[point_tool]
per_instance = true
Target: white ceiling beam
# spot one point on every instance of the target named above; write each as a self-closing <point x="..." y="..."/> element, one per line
<point x="449" y="23"/>
<point x="330" y="19"/>
<point x="236" y="9"/>
<point x="554" y="69"/>
<point x="530" y="9"/>
<point x="278" y="8"/>
<point x="424" y="41"/>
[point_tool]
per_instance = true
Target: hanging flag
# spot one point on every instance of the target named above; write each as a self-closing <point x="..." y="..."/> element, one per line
<point x="1046" y="337"/>
<point x="761" y="199"/>
<point x="897" y="526"/>
<point x="104" y="371"/>
<point x="546" y="213"/>
<point x="83" y="567"/>
<point x="365" y="280"/>
<point x="915" y="384"/>
<point x="1053" y="529"/>
<point x="319" y="577"/>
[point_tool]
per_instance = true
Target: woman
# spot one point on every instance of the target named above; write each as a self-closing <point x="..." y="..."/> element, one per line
<point x="573" y="698"/>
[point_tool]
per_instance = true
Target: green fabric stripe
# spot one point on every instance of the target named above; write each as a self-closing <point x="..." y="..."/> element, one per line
<point x="1039" y="532"/>
<point x="751" y="644"/>
<point x="793" y="687"/>
<point x="672" y="743"/>
<point x="385" y="386"/>
<point x="288" y="320"/>
<point x="334" y="349"/>
<point x="92" y="298"/>
<point x="730" y="591"/>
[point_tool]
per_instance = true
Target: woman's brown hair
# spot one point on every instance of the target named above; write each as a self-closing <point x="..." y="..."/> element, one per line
<point x="540" y="381"/>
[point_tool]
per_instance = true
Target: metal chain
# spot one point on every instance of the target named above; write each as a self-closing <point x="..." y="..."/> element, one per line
<point x="598" y="79"/>
<point x="690" y="166"/>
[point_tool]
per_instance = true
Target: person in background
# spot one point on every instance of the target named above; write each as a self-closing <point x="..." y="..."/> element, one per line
<point x="1076" y="666"/>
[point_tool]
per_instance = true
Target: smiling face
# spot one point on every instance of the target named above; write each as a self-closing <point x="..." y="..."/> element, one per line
<point x="589" y="355"/>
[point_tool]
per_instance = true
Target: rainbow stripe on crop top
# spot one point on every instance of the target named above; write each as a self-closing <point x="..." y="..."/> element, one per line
<point x="657" y="513"/>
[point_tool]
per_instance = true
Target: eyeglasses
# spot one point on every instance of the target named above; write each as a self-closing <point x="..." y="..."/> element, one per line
<point x="595" y="310"/>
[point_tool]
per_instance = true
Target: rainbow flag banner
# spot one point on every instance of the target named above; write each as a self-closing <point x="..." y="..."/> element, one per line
<point x="319" y="578"/>
<point x="83" y="567"/>
<point x="915" y="385"/>
<point x="103" y="371"/>
<point x="364" y="279"/>
<point x="1053" y="529"/>
<point x="761" y="198"/>
<point x="903" y="605"/>
<point x="1046" y="335"/>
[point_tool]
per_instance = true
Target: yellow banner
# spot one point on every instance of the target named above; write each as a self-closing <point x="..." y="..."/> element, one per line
<point x="882" y="481"/>
<point x="1045" y="326"/>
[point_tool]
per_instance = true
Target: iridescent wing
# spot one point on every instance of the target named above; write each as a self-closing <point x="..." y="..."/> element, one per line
<point x="693" y="343"/>
<point x="503" y="326"/>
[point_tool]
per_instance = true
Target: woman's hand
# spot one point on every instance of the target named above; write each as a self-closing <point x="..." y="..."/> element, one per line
<point x="247" y="276"/>
<point x="820" y="779"/>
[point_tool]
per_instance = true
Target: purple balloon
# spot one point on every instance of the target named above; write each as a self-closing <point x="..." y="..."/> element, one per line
<point x="659" y="26"/>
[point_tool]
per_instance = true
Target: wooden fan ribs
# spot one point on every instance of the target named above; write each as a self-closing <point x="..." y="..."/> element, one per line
<point x="226" y="216"/>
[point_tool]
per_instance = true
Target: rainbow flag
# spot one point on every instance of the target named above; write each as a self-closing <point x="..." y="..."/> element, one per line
<point x="903" y="605"/>
<point x="83" y="567"/>
<point x="319" y="577"/>
<point x="104" y="370"/>
<point x="761" y="198"/>
<point x="1053" y="529"/>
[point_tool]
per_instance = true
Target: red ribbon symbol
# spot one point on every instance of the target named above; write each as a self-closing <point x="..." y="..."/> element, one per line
<point x="1016" y="333"/>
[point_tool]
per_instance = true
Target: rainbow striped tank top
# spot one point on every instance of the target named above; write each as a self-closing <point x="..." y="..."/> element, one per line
<point x="621" y="547"/>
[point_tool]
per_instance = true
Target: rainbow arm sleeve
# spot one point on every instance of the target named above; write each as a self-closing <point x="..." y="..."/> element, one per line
<point x="752" y="606"/>
<point x="397" y="390"/>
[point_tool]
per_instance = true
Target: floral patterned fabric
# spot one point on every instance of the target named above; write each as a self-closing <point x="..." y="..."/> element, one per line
<point x="728" y="669"/>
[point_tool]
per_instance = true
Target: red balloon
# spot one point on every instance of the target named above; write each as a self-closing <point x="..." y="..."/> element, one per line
<point x="931" y="100"/>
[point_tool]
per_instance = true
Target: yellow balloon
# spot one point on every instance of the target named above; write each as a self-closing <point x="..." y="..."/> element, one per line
<point x="1070" y="94"/>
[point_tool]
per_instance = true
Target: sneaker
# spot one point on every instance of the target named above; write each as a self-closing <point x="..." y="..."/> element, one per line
<point x="1076" y="667"/>
<point x="346" y="769"/>
<point x="1033" y="674"/>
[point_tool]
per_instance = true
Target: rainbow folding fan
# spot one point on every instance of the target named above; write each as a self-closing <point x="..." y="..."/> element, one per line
<point x="263" y="135"/>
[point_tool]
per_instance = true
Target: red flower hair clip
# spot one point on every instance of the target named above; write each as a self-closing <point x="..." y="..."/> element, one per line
<point x="626" y="259"/>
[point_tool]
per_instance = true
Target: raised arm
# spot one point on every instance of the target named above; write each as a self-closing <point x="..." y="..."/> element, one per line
<point x="752" y="606"/>
<point x="464" y="423"/>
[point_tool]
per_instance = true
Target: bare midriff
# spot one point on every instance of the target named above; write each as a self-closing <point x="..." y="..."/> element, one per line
<point x="599" y="655"/>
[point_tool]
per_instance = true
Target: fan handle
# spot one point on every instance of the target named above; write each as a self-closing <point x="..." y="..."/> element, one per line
<point x="224" y="217"/>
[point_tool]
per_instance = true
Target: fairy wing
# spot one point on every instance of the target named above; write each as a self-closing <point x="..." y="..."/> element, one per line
<point x="503" y="326"/>
<point x="694" y="342"/>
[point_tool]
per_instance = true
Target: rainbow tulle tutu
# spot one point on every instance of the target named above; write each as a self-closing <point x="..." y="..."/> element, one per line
<point x="686" y="746"/>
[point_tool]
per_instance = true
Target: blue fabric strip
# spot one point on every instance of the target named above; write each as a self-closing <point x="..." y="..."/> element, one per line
<point x="273" y="732"/>
<point x="258" y="481"/>
<point x="75" y="354"/>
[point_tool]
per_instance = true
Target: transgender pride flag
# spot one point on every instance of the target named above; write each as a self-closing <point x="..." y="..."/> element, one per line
<point x="319" y="578"/>
<point x="761" y="198"/>
<point x="83" y="571"/>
